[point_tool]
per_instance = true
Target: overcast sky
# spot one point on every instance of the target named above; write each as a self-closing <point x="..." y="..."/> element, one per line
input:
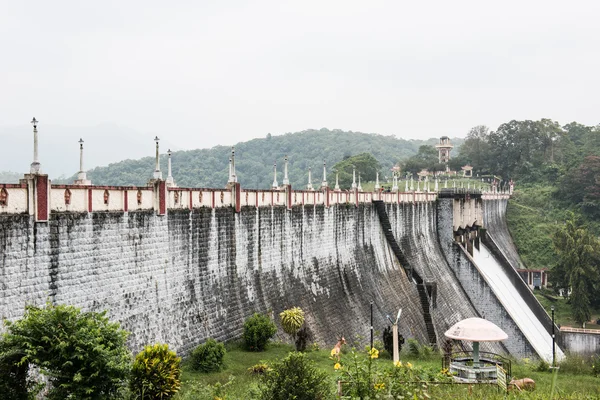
<point x="202" y="73"/>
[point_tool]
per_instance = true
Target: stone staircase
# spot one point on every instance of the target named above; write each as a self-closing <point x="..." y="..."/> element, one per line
<point x="413" y="275"/>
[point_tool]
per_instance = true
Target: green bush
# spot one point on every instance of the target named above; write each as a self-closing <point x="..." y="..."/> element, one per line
<point x="258" y="329"/>
<point x="82" y="353"/>
<point x="208" y="357"/>
<point x="155" y="373"/>
<point x="14" y="383"/>
<point x="295" y="377"/>
<point x="388" y="340"/>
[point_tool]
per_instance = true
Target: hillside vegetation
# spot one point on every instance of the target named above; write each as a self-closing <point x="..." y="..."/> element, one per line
<point x="554" y="215"/>
<point x="254" y="159"/>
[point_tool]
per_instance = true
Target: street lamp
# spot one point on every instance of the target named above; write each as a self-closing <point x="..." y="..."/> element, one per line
<point x="553" y="340"/>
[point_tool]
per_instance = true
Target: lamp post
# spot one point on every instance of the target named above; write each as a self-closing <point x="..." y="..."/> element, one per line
<point x="553" y="340"/>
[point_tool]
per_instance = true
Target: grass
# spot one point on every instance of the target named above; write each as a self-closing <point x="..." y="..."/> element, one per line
<point x="571" y="382"/>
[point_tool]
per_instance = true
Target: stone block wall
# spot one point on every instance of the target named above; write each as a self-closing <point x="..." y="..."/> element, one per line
<point x="194" y="274"/>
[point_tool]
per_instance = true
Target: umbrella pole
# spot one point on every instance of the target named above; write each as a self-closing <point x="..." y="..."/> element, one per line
<point x="476" y="354"/>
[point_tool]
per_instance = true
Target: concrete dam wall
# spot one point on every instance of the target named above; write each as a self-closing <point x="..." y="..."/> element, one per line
<point x="194" y="274"/>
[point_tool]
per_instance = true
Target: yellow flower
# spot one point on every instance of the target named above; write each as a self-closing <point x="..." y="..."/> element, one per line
<point x="337" y="366"/>
<point x="379" y="386"/>
<point x="408" y="365"/>
<point x="333" y="352"/>
<point x="374" y="353"/>
<point x="398" y="364"/>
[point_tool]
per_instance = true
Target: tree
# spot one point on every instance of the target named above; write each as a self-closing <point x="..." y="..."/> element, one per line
<point x="365" y="164"/>
<point x="581" y="186"/>
<point x="82" y="353"/>
<point x="426" y="158"/>
<point x="577" y="266"/>
<point x="475" y="151"/>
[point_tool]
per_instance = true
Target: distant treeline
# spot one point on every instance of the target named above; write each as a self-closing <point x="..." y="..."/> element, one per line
<point x="254" y="160"/>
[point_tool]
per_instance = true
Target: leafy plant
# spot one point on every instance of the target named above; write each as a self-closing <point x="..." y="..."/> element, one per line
<point x="259" y="369"/>
<point x="388" y="340"/>
<point x="208" y="357"/>
<point x="303" y="337"/>
<point x="155" y="373"/>
<point x="258" y="329"/>
<point x="295" y="377"/>
<point x="292" y="320"/>
<point x="83" y="354"/>
<point x="366" y="379"/>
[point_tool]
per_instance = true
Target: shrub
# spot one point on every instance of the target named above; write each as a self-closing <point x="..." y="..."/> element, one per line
<point x="303" y="337"/>
<point x="258" y="329"/>
<point x="388" y="340"/>
<point x="292" y="320"/>
<point x="295" y="377"/>
<point x="259" y="369"/>
<point x="82" y="353"/>
<point x="14" y="383"/>
<point x="209" y="356"/>
<point x="155" y="373"/>
<point x="596" y="365"/>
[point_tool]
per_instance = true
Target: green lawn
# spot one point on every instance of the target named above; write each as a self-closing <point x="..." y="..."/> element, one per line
<point x="574" y="381"/>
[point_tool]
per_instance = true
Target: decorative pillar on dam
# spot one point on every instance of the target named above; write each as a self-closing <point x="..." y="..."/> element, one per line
<point x="81" y="175"/>
<point x="38" y="184"/>
<point x="275" y="185"/>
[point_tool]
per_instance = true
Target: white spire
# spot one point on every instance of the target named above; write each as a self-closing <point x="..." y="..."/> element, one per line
<point x="81" y="175"/>
<point x="35" y="165"/>
<point x="157" y="173"/>
<point x="412" y="184"/>
<point x="170" y="181"/>
<point x="394" y="183"/>
<point x="353" y="178"/>
<point x="406" y="184"/>
<point x="337" y="182"/>
<point x="377" y="180"/>
<point x="453" y="184"/>
<point x="309" y="186"/>
<point x="286" y="181"/>
<point x="275" y="184"/>
<point x="324" y="183"/>
<point x="359" y="186"/>
<point x="232" y="176"/>
<point x="436" y="188"/>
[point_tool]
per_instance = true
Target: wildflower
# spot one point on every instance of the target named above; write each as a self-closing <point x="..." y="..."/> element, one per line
<point x="398" y="364"/>
<point x="408" y="365"/>
<point x="374" y="353"/>
<point x="379" y="386"/>
<point x="333" y="352"/>
<point x="337" y="366"/>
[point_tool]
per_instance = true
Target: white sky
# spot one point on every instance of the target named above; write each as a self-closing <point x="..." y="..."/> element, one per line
<point x="202" y="73"/>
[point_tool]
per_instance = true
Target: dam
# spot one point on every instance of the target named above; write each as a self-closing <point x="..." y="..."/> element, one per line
<point x="180" y="265"/>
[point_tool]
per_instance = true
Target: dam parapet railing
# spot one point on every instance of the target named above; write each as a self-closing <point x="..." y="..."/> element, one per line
<point x="37" y="196"/>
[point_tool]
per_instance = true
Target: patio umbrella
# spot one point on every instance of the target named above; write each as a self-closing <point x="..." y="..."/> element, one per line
<point x="476" y="330"/>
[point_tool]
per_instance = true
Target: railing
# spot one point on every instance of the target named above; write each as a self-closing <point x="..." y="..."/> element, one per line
<point x="579" y="330"/>
<point x="484" y="357"/>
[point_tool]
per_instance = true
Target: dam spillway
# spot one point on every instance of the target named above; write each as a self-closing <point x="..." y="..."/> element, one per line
<point x="515" y="305"/>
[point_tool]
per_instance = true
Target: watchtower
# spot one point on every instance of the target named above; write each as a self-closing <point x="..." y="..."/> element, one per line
<point x="444" y="147"/>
